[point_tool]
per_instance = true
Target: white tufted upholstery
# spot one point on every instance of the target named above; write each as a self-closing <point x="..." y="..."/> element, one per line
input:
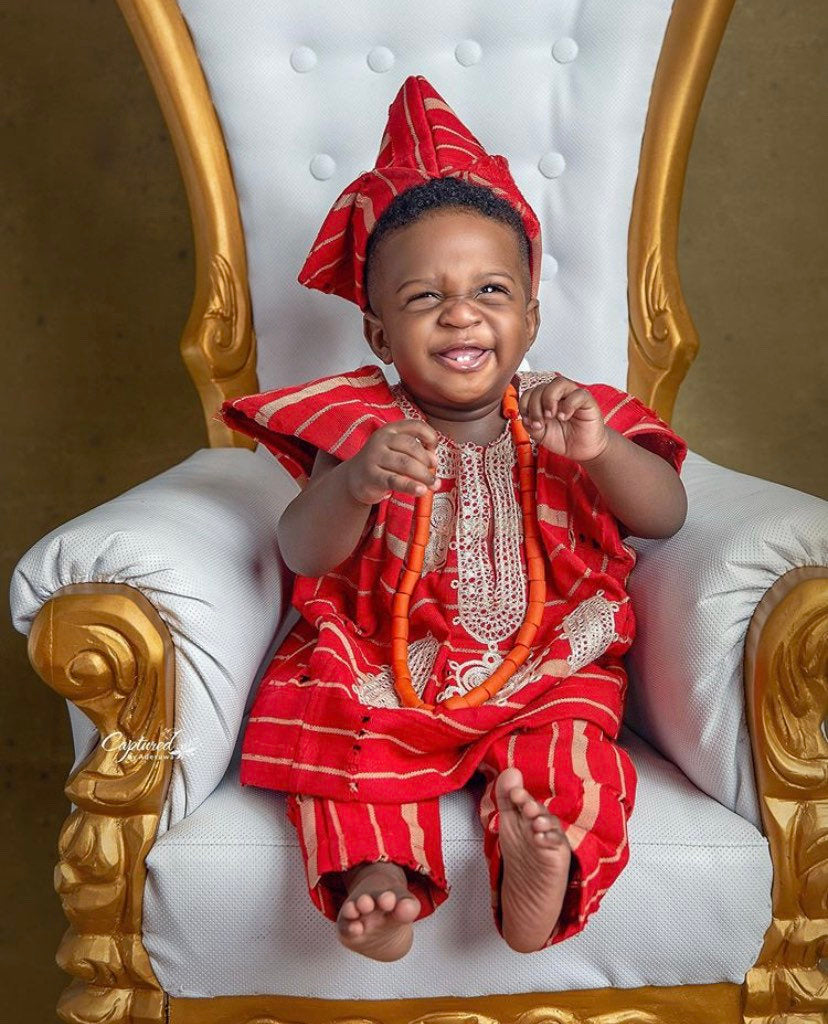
<point x="226" y="908"/>
<point x="302" y="93"/>
<point x="694" y="594"/>
<point x="199" y="542"/>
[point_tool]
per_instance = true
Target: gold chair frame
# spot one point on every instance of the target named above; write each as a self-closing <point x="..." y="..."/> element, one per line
<point x="105" y="648"/>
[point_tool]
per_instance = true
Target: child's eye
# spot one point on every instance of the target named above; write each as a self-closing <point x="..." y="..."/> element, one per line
<point x="491" y="284"/>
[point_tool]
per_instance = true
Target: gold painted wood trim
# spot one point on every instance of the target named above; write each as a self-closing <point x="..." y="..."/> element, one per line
<point x="105" y="648"/>
<point x="218" y="344"/>
<point x="663" y="341"/>
<point x="688" y="1004"/>
<point x="786" y="686"/>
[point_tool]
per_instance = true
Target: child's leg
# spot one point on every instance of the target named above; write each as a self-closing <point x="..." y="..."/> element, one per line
<point x="588" y="782"/>
<point x="337" y="836"/>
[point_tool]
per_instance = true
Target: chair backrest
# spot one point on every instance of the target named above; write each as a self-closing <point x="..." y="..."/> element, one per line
<point x="562" y="90"/>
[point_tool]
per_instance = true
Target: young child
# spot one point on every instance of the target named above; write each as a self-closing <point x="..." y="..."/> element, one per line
<point x="441" y="253"/>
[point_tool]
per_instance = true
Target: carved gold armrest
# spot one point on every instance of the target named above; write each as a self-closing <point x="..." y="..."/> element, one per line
<point x="105" y="648"/>
<point x="786" y="681"/>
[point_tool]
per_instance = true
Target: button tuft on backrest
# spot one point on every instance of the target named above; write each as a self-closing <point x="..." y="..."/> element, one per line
<point x="551" y="165"/>
<point x="322" y="166"/>
<point x="380" y="59"/>
<point x="468" y="52"/>
<point x="564" y="50"/>
<point x="302" y="59"/>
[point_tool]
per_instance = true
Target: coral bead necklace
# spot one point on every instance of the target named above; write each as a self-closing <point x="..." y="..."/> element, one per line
<point x="413" y="565"/>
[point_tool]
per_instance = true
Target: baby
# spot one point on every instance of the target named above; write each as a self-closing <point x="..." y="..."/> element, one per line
<point x="448" y="293"/>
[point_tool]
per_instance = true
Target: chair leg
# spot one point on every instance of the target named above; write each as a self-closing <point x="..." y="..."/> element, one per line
<point x="106" y="649"/>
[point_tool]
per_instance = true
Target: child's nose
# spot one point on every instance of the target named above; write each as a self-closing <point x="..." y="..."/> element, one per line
<point x="460" y="307"/>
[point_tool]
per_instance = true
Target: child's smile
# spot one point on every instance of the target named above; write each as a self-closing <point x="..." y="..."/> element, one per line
<point x="451" y="295"/>
<point x="465" y="358"/>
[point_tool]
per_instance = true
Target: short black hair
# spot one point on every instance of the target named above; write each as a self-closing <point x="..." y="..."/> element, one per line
<point x="441" y="193"/>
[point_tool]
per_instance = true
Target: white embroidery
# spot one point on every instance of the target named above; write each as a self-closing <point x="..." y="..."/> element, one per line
<point x="590" y="629"/>
<point x="443" y="514"/>
<point x="527" y="673"/>
<point x="491" y="583"/>
<point x="471" y="673"/>
<point x="531" y="379"/>
<point x="377" y="690"/>
<point x="491" y="596"/>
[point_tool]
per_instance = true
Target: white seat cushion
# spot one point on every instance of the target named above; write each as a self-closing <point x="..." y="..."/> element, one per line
<point x="227" y="910"/>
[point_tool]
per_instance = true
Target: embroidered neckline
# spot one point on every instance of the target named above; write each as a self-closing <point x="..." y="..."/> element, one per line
<point x="413" y="411"/>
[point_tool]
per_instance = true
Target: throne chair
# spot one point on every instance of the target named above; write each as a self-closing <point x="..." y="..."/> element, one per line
<point x="156" y="613"/>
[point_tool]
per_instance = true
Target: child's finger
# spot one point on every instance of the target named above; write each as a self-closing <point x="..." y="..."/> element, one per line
<point x="571" y="402"/>
<point x="410" y="484"/>
<point x="541" y="399"/>
<point x="412" y="444"/>
<point x="423" y="431"/>
<point x="408" y="464"/>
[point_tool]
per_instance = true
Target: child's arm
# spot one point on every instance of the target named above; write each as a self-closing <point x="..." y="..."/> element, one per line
<point x="322" y="525"/>
<point x="640" y="488"/>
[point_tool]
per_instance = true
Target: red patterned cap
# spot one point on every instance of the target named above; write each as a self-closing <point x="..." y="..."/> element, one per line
<point x="423" y="139"/>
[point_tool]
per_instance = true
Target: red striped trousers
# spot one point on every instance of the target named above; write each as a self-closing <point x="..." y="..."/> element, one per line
<point x="570" y="766"/>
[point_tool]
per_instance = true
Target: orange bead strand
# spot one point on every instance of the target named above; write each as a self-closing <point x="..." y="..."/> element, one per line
<point x="412" y="571"/>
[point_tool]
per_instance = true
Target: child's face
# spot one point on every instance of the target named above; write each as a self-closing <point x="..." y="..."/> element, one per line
<point x="451" y="277"/>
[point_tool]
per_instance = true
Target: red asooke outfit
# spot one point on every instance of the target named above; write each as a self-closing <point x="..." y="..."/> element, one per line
<point x="326" y="722"/>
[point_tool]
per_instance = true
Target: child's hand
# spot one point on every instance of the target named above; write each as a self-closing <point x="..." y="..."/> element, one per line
<point x="570" y="420"/>
<point x="399" y="456"/>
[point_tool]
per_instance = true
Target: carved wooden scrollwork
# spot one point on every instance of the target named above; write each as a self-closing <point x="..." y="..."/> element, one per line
<point x="693" y="1004"/>
<point x="663" y="341"/>
<point x="544" y="1015"/>
<point x="540" y="1015"/>
<point x="218" y="344"/>
<point x="218" y="336"/>
<point x="104" y="647"/>
<point x="786" y="678"/>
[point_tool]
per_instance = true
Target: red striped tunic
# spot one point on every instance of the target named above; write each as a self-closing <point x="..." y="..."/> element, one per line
<point x="326" y="720"/>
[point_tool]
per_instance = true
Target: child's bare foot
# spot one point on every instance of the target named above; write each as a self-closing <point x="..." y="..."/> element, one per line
<point x="375" y="919"/>
<point x="536" y="857"/>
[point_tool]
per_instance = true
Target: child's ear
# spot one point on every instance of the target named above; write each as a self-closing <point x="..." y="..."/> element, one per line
<point x="532" y="321"/>
<point x="375" y="336"/>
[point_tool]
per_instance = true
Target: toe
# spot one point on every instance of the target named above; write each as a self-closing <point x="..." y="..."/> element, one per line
<point x="387" y="900"/>
<point x="509" y="779"/>
<point x="531" y="809"/>
<point x="545" y="823"/>
<point x="349" y="911"/>
<point x="407" y="909"/>
<point x="554" y="837"/>
<point x="520" y="797"/>
<point x="365" y="903"/>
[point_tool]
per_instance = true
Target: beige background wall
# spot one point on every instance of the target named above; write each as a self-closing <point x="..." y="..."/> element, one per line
<point x="97" y="264"/>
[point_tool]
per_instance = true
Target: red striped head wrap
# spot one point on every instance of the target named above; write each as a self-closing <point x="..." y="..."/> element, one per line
<point x="423" y="139"/>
